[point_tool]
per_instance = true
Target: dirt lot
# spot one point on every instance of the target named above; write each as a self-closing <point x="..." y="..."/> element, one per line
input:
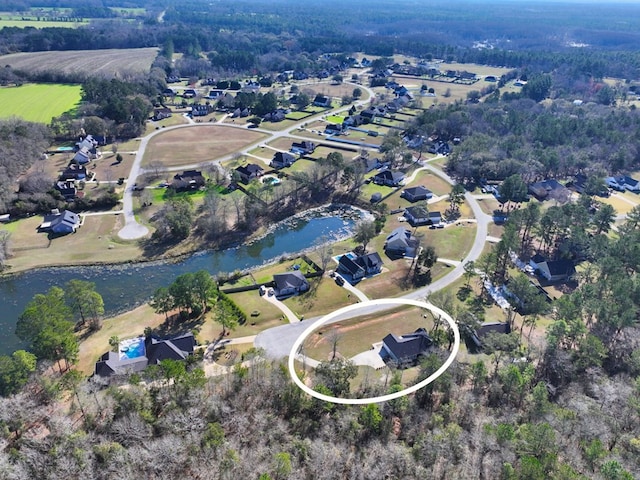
<point x="186" y="146"/>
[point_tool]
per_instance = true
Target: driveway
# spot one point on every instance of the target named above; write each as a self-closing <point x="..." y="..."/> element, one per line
<point x="277" y="342"/>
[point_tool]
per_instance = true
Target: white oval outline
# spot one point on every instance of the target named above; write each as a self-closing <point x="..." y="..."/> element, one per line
<point x="381" y="398"/>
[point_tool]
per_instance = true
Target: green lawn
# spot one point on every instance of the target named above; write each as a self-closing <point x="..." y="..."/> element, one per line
<point x="38" y="102"/>
<point x="297" y="115"/>
<point x="335" y="119"/>
<point x="38" y="24"/>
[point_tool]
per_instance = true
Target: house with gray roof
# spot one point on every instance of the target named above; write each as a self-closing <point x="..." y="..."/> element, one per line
<point x="401" y="243"/>
<point x="60" y="223"/>
<point x="389" y="178"/>
<point x="150" y="351"/>
<point x="406" y="349"/>
<point x="358" y="268"/>
<point x="415" y="194"/>
<point x="289" y="283"/>
<point x="282" y="160"/>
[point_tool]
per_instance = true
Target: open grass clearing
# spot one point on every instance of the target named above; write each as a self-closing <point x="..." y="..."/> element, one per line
<point x="301" y="165"/>
<point x="453" y="242"/>
<point x="358" y="334"/>
<point x="323" y="297"/>
<point x="281" y="143"/>
<point x="270" y="316"/>
<point x="95" y="242"/>
<point x="127" y="325"/>
<point x="107" y="63"/>
<point x="185" y="146"/>
<point x="337" y="119"/>
<point x="38" y="102"/>
<point x="368" y="189"/>
<point x="174" y="119"/>
<point x="266" y="274"/>
<point x="480" y="70"/>
<point x="35" y="23"/>
<point x="278" y="126"/>
<point x="297" y="116"/>
<point x="621" y="204"/>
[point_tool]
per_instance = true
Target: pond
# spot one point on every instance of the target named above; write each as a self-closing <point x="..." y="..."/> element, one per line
<point x="124" y="286"/>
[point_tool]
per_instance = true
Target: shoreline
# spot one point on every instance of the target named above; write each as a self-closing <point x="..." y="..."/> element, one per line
<point x="8" y="274"/>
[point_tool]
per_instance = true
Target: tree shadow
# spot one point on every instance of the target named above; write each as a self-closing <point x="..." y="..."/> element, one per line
<point x="179" y="322"/>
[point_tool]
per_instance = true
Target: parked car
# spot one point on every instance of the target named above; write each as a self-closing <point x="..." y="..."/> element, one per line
<point x="339" y="280"/>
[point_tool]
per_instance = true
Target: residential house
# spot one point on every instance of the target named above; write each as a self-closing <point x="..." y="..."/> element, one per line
<point x="135" y="355"/>
<point x="370" y="164"/>
<point x="579" y="183"/>
<point x="251" y="86"/>
<point x="417" y="216"/>
<point x="361" y="266"/>
<point x="74" y="172"/>
<point x="406" y="349"/>
<point x="322" y="101"/>
<point x="622" y="183"/>
<point x="189" y="93"/>
<point x="67" y="189"/>
<point x="549" y="189"/>
<point x="82" y="156"/>
<point x="201" y="110"/>
<point x="389" y="178"/>
<point x="303" y="148"/>
<point x="334" y="128"/>
<point x="473" y="338"/>
<point x="215" y="94"/>
<point x="282" y="160"/>
<point x="89" y="143"/>
<point x="276" y="116"/>
<point x="289" y="283"/>
<point x="552" y="270"/>
<point x="60" y="223"/>
<point x="161" y="113"/>
<point x="249" y="172"/>
<point x="401" y="243"/>
<point x="373" y="112"/>
<point x="188" y="180"/>
<point x="415" y="194"/>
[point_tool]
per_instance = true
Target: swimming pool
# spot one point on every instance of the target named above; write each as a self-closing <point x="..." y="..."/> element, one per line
<point x="132" y="348"/>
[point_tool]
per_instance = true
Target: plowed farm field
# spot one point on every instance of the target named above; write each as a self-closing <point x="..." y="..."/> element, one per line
<point x="102" y="63"/>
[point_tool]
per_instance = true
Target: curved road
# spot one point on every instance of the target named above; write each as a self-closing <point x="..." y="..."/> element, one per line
<point x="133" y="230"/>
<point x="277" y="341"/>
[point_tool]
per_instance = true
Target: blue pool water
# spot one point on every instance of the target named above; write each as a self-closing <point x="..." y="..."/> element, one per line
<point x="132" y="348"/>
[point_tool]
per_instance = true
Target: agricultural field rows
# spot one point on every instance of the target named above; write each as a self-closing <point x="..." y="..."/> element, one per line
<point x="107" y="63"/>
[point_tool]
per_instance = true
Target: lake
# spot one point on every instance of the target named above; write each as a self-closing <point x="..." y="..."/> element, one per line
<point x="125" y="286"/>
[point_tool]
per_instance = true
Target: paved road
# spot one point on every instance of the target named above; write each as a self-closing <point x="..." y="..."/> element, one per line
<point x="133" y="230"/>
<point x="277" y="342"/>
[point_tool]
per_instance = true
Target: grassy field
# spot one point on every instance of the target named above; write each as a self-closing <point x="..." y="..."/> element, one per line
<point x="95" y="241"/>
<point x="37" y="102"/>
<point x="324" y="297"/>
<point x="34" y="23"/>
<point x="127" y="325"/>
<point x="204" y="143"/>
<point x="358" y="334"/>
<point x="105" y="63"/>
